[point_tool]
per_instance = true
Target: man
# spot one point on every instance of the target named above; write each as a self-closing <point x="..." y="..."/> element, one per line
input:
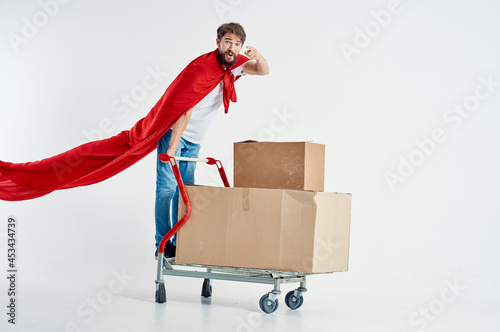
<point x="189" y="131"/>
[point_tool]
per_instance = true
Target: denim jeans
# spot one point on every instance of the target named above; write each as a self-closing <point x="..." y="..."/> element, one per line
<point x="167" y="192"/>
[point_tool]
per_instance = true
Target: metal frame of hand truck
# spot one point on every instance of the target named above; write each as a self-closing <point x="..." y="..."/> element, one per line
<point x="165" y="267"/>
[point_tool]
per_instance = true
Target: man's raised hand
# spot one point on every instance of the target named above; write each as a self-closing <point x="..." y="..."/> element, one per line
<point x="252" y="53"/>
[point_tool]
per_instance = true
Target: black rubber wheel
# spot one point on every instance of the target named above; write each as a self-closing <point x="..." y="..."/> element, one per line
<point x="206" y="289"/>
<point x="161" y="295"/>
<point x="267" y="305"/>
<point x="293" y="302"/>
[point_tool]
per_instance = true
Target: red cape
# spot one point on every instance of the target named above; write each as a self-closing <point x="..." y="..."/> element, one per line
<point x="96" y="161"/>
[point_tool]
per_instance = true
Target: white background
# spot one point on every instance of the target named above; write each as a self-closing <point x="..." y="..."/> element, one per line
<point x="410" y="242"/>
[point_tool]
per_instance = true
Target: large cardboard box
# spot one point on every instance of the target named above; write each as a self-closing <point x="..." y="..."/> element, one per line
<point x="279" y="165"/>
<point x="284" y="230"/>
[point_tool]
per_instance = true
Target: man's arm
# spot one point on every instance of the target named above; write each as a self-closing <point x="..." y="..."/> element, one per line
<point x="257" y="67"/>
<point x="177" y="130"/>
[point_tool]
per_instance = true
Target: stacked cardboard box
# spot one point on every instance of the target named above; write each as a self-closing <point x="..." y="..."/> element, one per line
<point x="263" y="223"/>
<point x="279" y="165"/>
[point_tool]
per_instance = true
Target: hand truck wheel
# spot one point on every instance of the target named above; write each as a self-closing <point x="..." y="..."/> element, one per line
<point x="292" y="301"/>
<point x="206" y="290"/>
<point x="267" y="305"/>
<point x="161" y="294"/>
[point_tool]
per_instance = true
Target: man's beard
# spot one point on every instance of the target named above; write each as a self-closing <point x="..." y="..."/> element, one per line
<point x="222" y="59"/>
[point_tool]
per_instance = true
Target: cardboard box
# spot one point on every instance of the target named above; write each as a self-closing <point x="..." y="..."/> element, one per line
<point x="279" y="165"/>
<point x="284" y="230"/>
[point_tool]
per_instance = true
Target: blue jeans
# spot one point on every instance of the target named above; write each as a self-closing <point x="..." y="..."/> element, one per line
<point x="167" y="192"/>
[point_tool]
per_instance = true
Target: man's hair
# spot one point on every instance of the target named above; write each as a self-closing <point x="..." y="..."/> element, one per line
<point x="232" y="27"/>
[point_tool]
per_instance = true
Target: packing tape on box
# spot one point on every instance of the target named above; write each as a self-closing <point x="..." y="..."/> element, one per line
<point x="245" y="199"/>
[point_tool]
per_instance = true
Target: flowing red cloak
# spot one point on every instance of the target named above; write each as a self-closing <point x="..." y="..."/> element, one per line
<point x="96" y="161"/>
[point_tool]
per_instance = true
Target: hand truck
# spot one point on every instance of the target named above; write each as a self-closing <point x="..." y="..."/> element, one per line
<point x="268" y="302"/>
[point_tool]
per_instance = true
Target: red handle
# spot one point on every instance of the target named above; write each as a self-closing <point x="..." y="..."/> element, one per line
<point x="212" y="161"/>
<point x="187" y="204"/>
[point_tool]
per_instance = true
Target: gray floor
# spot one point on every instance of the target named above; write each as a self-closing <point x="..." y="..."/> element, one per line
<point x="123" y="301"/>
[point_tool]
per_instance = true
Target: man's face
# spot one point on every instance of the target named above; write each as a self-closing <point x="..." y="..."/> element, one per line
<point x="229" y="47"/>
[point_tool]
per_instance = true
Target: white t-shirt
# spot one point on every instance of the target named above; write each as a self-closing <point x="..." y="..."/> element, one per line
<point x="204" y="112"/>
